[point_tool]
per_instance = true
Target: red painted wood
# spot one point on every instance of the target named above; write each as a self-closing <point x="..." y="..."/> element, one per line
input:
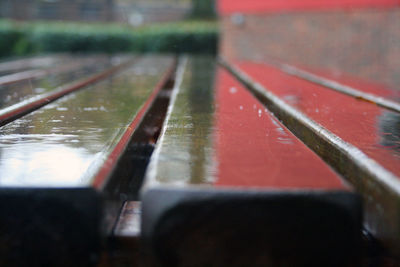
<point x="360" y="123"/>
<point x="226" y="7"/>
<point x="255" y="150"/>
<point x="363" y="85"/>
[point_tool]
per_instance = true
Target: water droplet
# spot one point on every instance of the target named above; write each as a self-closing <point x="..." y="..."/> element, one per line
<point x="90" y="109"/>
<point x="232" y="90"/>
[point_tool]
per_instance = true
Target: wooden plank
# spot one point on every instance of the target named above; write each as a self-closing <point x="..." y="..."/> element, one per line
<point x="124" y="246"/>
<point x="345" y="132"/>
<point x="11" y="94"/>
<point x="221" y="154"/>
<point x="68" y="65"/>
<point x="345" y="89"/>
<point x="66" y="152"/>
<point x="17" y="65"/>
<point x="95" y="118"/>
<point x="20" y="100"/>
<point x="128" y="224"/>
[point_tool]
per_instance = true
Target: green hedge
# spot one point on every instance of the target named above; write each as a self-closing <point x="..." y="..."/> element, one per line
<point x="203" y="9"/>
<point x="9" y="39"/>
<point x="182" y="37"/>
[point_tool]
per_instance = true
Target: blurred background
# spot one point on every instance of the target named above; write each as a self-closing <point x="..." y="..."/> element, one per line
<point x="125" y="11"/>
<point x="360" y="38"/>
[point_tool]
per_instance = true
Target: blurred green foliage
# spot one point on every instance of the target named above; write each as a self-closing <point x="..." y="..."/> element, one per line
<point x="203" y="9"/>
<point x="23" y="38"/>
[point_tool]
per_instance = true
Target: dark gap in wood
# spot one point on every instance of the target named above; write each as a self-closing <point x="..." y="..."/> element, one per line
<point x="121" y="249"/>
<point x="129" y="172"/>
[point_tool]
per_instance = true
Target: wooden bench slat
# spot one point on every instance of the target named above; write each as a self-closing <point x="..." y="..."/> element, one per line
<point x="345" y="132"/>
<point x="360" y="90"/>
<point x="356" y="122"/>
<point x="58" y="165"/>
<point x="255" y="150"/>
<point x="66" y="142"/>
<point x="11" y="94"/>
<point x="227" y="138"/>
<point x="69" y="64"/>
<point x="11" y="66"/>
<point x="218" y="162"/>
<point x="35" y="100"/>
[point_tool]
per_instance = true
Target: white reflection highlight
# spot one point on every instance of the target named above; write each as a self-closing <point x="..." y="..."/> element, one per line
<point x="46" y="165"/>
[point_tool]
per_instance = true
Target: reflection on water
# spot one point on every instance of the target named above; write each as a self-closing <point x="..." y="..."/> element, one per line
<point x="26" y="163"/>
<point x="64" y="143"/>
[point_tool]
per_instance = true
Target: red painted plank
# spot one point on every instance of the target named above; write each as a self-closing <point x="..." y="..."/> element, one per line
<point x="255" y="150"/>
<point x="368" y="93"/>
<point x="367" y="86"/>
<point x="226" y="7"/>
<point x="367" y="126"/>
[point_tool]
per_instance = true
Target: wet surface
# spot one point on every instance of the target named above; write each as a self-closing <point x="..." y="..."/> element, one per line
<point x="23" y="64"/>
<point x="219" y="134"/>
<point x="372" y="129"/>
<point x="255" y="149"/>
<point x="363" y="85"/>
<point x="66" y="73"/>
<point x="66" y="142"/>
<point x="186" y="153"/>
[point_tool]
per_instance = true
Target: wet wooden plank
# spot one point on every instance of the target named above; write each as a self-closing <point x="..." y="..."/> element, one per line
<point x="221" y="154"/>
<point x="356" y="137"/>
<point x="124" y="246"/>
<point x="37" y="62"/>
<point x="87" y="124"/>
<point x="11" y="94"/>
<point x="128" y="224"/>
<point x="366" y="92"/>
<point x="58" y="162"/>
<point x="22" y="98"/>
<point x="68" y="64"/>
